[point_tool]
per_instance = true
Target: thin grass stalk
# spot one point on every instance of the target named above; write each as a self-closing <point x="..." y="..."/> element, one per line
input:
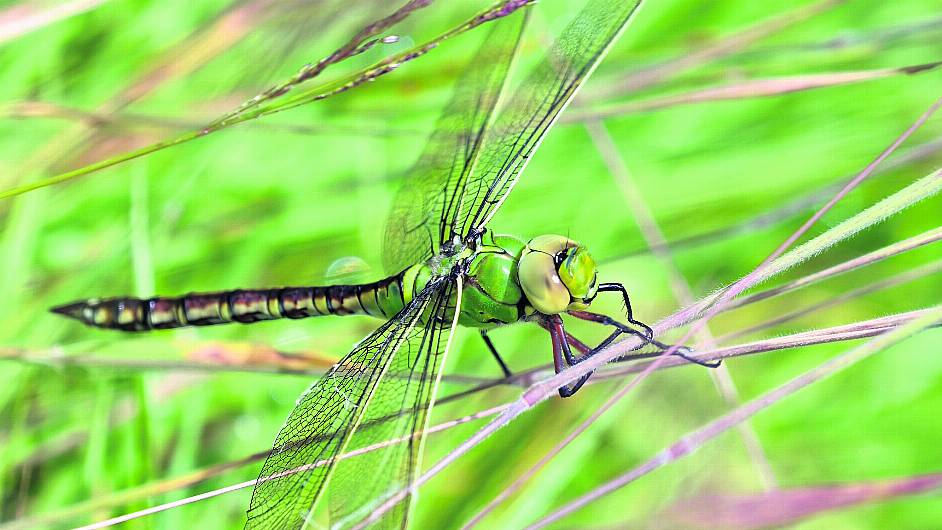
<point x="753" y="88"/>
<point x="888" y="283"/>
<point x="791" y="208"/>
<point x="359" y="43"/>
<point x="33" y="109"/>
<point x="845" y="332"/>
<point x="202" y="475"/>
<point x="656" y="241"/>
<point x="776" y="263"/>
<point x="691" y="442"/>
<point x="27" y="17"/>
<point x="853" y="331"/>
<point x="318" y="93"/>
<point x="918" y="241"/>
<point x="636" y="81"/>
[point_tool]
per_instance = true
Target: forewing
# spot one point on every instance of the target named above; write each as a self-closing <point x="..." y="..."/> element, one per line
<point x="534" y="106"/>
<point x="328" y="414"/>
<point x="398" y="413"/>
<point x="434" y="185"/>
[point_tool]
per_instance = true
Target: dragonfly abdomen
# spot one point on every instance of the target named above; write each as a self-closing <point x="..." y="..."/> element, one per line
<point x="380" y="299"/>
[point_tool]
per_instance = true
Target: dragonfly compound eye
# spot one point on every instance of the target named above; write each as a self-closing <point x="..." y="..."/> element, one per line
<point x="578" y="272"/>
<point x="539" y="277"/>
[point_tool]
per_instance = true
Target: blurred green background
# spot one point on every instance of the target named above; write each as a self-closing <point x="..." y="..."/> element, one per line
<point x="84" y="413"/>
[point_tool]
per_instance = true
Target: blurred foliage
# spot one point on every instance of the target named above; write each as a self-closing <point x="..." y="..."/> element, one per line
<point x="279" y="201"/>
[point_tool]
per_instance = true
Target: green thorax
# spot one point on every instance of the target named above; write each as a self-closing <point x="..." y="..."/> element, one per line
<point x="491" y="295"/>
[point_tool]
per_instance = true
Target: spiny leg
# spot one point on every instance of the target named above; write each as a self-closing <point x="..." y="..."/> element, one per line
<point x="680" y="351"/>
<point x="497" y="357"/>
<point x="619" y="288"/>
<point x="648" y="335"/>
<point x="562" y="353"/>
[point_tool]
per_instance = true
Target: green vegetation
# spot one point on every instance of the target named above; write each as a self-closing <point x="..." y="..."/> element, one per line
<point x="290" y="198"/>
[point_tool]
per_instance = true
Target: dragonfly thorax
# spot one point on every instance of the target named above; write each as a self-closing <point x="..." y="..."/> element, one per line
<point x="450" y="255"/>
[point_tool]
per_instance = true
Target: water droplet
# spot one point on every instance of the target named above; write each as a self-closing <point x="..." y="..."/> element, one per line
<point x="345" y="268"/>
<point x="390" y="39"/>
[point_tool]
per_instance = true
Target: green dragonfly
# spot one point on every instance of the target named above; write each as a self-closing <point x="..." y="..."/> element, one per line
<point x="449" y="270"/>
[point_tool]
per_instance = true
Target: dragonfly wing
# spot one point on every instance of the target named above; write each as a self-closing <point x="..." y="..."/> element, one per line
<point x="398" y="413"/>
<point x="534" y="106"/>
<point x="433" y="186"/>
<point x="327" y="416"/>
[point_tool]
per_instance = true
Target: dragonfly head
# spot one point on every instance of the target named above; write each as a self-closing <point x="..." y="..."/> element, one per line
<point x="557" y="274"/>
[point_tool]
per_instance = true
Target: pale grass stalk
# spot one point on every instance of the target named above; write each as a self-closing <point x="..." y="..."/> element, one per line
<point x="26" y="17"/>
<point x="794" y="207"/>
<point x="55" y="357"/>
<point x="777" y="262"/>
<point x="37" y="109"/>
<point x="888" y="283"/>
<point x="728" y="45"/>
<point x="696" y="439"/>
<point x="789" y="506"/>
<point x="752" y="88"/>
<point x="318" y="93"/>
<point x="925" y="238"/>
<point x="200" y="477"/>
<point x="656" y="241"/>
<point x="853" y="331"/>
<point x="845" y="332"/>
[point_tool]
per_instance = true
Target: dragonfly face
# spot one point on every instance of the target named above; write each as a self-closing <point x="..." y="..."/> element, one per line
<point x="557" y="274"/>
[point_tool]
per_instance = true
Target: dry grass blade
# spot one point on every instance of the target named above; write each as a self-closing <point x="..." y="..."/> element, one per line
<point x="923" y="188"/>
<point x="26" y="17"/>
<point x="696" y="439"/>
<point x="855" y="331"/>
<point x="789" y="506"/>
<point x="636" y="81"/>
<point x="197" y="477"/>
<point x="318" y="93"/>
<point x="753" y="88"/>
<point x="888" y="283"/>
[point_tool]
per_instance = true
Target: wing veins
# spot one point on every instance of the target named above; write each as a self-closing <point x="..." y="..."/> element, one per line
<point x="393" y="334"/>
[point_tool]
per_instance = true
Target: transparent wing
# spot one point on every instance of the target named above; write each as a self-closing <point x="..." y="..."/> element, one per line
<point x="400" y="409"/>
<point x="433" y="185"/>
<point x="325" y="421"/>
<point x="533" y="108"/>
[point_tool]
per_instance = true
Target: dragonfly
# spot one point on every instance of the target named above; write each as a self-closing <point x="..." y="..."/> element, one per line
<point x="448" y="270"/>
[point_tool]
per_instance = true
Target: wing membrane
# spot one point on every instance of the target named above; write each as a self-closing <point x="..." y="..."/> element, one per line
<point x="394" y="466"/>
<point x="533" y="108"/>
<point x="434" y="185"/>
<point x="324" y="422"/>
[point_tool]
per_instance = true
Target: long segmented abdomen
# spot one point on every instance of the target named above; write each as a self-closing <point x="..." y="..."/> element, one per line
<point x="380" y="299"/>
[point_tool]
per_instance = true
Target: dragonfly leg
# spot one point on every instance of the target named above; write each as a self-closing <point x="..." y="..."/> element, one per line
<point x="562" y="353"/>
<point x="681" y="351"/>
<point x="619" y="288"/>
<point x="497" y="357"/>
